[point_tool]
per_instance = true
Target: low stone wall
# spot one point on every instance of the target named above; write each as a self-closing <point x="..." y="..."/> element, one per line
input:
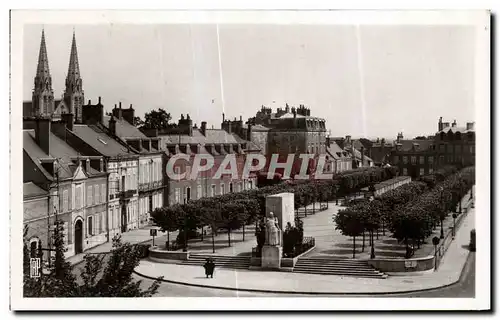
<point x="156" y="253"/>
<point x="423" y="263"/>
<point x="285" y="262"/>
<point x="403" y="265"/>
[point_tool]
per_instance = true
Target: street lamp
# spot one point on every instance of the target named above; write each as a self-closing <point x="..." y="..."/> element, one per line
<point x="453" y="230"/>
<point x="435" y="242"/>
<point x="185" y="231"/>
<point x="372" y="253"/>
<point x="442" y="213"/>
<point x="336" y="195"/>
<point x="460" y="198"/>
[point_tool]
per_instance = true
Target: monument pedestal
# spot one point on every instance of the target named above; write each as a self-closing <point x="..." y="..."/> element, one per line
<point x="271" y="257"/>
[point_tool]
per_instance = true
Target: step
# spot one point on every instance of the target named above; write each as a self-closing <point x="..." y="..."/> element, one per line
<point x="347" y="263"/>
<point x="367" y="268"/>
<point x="333" y="273"/>
<point x="325" y="271"/>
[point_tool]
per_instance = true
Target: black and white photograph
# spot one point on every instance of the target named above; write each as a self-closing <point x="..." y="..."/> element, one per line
<point x="251" y="154"/>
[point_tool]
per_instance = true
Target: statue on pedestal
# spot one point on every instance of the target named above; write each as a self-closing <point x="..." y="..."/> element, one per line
<point x="273" y="233"/>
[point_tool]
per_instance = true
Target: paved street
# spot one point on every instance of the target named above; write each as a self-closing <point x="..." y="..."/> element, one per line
<point x="464" y="289"/>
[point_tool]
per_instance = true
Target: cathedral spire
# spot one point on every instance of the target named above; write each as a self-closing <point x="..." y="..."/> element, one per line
<point x="73" y="94"/>
<point x="42" y="69"/>
<point x="43" y="95"/>
<point x="74" y="68"/>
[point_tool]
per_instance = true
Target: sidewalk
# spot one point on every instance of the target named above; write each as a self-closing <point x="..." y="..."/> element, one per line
<point x="133" y="236"/>
<point x="287" y="282"/>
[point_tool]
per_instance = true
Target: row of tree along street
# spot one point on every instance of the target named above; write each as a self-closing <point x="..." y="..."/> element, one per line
<point x="411" y="212"/>
<point x="235" y="210"/>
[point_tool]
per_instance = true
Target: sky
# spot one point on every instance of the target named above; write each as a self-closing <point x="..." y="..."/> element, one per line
<point x="366" y="81"/>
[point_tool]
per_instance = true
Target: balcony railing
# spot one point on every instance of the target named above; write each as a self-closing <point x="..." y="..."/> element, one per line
<point x="127" y="194"/>
<point x="150" y="186"/>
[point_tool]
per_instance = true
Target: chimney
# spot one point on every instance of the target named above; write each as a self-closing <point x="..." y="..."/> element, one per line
<point x="454" y="124"/>
<point x="68" y="119"/>
<point x="112" y="125"/>
<point x="128" y="114"/>
<point x="249" y="132"/>
<point x="99" y="103"/>
<point x="204" y="128"/>
<point x="223" y="117"/>
<point x="470" y="125"/>
<point x="228" y="127"/>
<point x="347" y="140"/>
<point x="440" y="124"/>
<point x="42" y="134"/>
<point x="120" y="115"/>
<point x="400" y="137"/>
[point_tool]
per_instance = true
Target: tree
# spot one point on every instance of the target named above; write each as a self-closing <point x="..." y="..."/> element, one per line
<point x="138" y="122"/>
<point x="167" y="219"/>
<point x="348" y="222"/>
<point x="116" y="279"/>
<point x="157" y="119"/>
<point x="61" y="282"/>
<point x="231" y="217"/>
<point x="110" y="278"/>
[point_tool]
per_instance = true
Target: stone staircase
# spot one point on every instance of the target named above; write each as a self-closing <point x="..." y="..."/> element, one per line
<point x="228" y="262"/>
<point x="335" y="266"/>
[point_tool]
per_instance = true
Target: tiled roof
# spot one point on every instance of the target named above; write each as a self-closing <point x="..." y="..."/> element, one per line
<point x="31" y="190"/>
<point x="457" y="129"/>
<point x="213" y="136"/>
<point x="336" y="152"/>
<point x="98" y="139"/>
<point x="59" y="150"/>
<point x="407" y="145"/>
<point x="257" y="127"/>
<point x="124" y="129"/>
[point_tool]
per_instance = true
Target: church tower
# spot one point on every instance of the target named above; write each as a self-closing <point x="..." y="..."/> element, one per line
<point x="43" y="95"/>
<point x="73" y="94"/>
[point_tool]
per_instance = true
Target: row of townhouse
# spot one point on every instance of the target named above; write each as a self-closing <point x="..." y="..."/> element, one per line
<point x="100" y="174"/>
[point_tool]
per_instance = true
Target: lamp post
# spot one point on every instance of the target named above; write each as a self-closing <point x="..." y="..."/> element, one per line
<point x="372" y="253"/>
<point x="441" y="213"/>
<point x="336" y="195"/>
<point x="185" y="230"/>
<point x="435" y="242"/>
<point x="453" y="230"/>
<point x="460" y="198"/>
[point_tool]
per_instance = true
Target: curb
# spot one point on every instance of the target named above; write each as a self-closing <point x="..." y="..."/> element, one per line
<point x="462" y="274"/>
<point x="104" y="252"/>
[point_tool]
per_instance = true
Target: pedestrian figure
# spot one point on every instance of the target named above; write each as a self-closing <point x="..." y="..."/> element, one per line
<point x="209" y="268"/>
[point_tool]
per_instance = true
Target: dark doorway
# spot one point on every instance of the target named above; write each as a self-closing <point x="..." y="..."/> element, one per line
<point x="188" y="193"/>
<point x="124" y="218"/>
<point x="33" y="249"/>
<point x="78" y="237"/>
<point x="150" y="204"/>
<point x="123" y="184"/>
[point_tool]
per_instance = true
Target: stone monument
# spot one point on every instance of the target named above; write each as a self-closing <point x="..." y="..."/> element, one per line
<point x="282" y="206"/>
<point x="273" y="247"/>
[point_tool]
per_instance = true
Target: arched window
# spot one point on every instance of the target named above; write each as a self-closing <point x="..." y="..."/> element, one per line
<point x="33" y="247"/>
